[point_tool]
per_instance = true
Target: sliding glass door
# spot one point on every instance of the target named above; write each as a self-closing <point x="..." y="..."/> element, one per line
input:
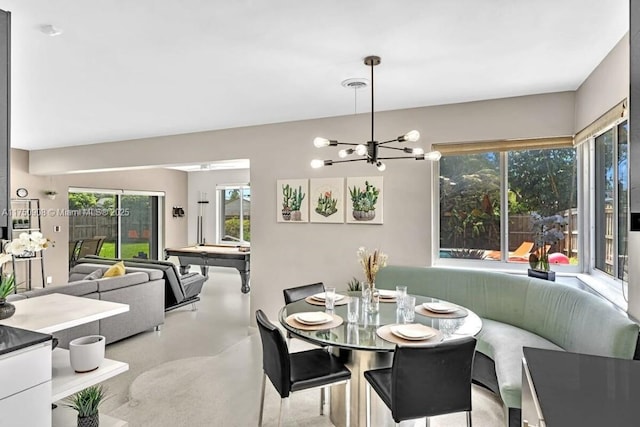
<point x="138" y="224"/>
<point x="114" y="224"/>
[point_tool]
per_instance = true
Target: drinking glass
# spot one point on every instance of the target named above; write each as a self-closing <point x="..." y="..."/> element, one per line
<point x="329" y="298"/>
<point x="409" y="309"/>
<point x="401" y="293"/>
<point x="353" y="308"/>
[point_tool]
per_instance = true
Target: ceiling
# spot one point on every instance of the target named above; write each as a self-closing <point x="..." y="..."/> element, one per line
<point x="126" y="69"/>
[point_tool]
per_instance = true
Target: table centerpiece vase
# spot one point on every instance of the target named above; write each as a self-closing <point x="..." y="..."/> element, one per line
<point x="370" y="298"/>
<point x="371" y="264"/>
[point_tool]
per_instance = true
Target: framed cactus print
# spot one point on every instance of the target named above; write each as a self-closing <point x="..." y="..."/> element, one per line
<point x="326" y="196"/>
<point x="364" y="200"/>
<point x="293" y="200"/>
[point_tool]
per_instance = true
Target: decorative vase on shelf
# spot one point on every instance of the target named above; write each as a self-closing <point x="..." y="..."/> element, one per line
<point x="6" y="309"/>
<point x="370" y="298"/>
<point x="540" y="266"/>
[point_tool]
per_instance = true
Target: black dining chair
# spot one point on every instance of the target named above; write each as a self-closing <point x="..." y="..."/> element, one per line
<point x="291" y="372"/>
<point x="300" y="292"/>
<point x="425" y="381"/>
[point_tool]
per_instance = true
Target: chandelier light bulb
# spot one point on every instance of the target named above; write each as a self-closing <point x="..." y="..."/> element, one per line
<point x="417" y="151"/>
<point x="317" y="163"/>
<point x="412" y="136"/>
<point x="361" y="150"/>
<point x="433" y="156"/>
<point x="381" y="166"/>
<point x="343" y="153"/>
<point x="320" y="142"/>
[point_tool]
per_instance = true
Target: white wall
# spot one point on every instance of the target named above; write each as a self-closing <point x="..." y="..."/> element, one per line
<point x="173" y="183"/>
<point x="605" y="87"/>
<point x="206" y="182"/>
<point x="285" y="254"/>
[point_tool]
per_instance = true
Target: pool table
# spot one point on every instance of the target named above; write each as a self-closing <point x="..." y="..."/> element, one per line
<point x="214" y="255"/>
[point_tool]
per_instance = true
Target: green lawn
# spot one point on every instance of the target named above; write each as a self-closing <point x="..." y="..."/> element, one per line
<point x="129" y="250"/>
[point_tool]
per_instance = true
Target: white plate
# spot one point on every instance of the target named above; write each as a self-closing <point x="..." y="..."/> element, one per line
<point x="321" y="297"/>
<point x="412" y="331"/>
<point x="384" y="293"/>
<point x="313" y="317"/>
<point x="438" y="307"/>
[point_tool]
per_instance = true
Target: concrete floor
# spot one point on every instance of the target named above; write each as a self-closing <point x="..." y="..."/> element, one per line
<point x="220" y="327"/>
<point x="186" y="333"/>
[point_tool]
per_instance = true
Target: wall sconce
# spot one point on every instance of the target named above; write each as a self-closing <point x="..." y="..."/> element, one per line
<point x="178" y="212"/>
<point x="51" y="194"/>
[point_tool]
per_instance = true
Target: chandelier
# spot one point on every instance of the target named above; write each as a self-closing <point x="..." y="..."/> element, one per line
<point x="371" y="150"/>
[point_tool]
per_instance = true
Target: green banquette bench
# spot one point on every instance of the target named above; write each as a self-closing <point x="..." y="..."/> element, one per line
<point x="518" y="311"/>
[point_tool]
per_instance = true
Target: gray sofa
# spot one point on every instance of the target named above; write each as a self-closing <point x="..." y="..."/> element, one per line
<point x="519" y="311"/>
<point x="180" y="289"/>
<point x="143" y="291"/>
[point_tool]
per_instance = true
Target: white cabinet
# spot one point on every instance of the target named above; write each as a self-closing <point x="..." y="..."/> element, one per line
<point x="25" y="386"/>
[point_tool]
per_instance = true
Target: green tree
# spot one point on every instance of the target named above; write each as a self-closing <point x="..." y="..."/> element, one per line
<point x="232" y="228"/>
<point x="470" y="201"/>
<point x="542" y="181"/>
<point x="233" y="194"/>
<point x="79" y="201"/>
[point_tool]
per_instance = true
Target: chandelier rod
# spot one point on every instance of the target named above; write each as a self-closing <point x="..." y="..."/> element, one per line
<point x="372" y="63"/>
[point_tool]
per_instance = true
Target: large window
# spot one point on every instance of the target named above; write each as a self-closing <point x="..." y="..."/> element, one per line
<point x="234" y="214"/>
<point x="611" y="193"/>
<point x="487" y="198"/>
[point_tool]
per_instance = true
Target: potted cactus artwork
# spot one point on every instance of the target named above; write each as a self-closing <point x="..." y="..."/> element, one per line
<point x="326" y="204"/>
<point x="364" y="201"/>
<point x="287" y="194"/>
<point x="292" y="202"/>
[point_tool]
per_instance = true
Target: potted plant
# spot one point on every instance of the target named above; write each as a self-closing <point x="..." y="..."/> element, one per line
<point x="7" y="286"/>
<point x="354" y="285"/>
<point x="548" y="231"/>
<point x="364" y="202"/>
<point x="86" y="402"/>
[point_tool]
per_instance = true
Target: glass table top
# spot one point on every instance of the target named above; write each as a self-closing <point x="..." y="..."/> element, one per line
<point x="362" y="335"/>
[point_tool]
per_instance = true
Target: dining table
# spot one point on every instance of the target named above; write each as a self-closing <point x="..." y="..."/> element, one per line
<point x="369" y="342"/>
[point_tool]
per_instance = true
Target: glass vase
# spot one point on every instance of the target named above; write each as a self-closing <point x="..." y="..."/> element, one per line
<point x="370" y="298"/>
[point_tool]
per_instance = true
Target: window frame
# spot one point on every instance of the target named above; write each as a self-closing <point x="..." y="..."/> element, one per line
<point x="503" y="264"/>
<point x="610" y="280"/>
<point x="220" y="198"/>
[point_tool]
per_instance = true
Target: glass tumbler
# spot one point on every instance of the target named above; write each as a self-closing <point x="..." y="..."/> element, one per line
<point x="409" y="309"/>
<point x="329" y="298"/>
<point x="401" y="293"/>
<point x="353" y="309"/>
